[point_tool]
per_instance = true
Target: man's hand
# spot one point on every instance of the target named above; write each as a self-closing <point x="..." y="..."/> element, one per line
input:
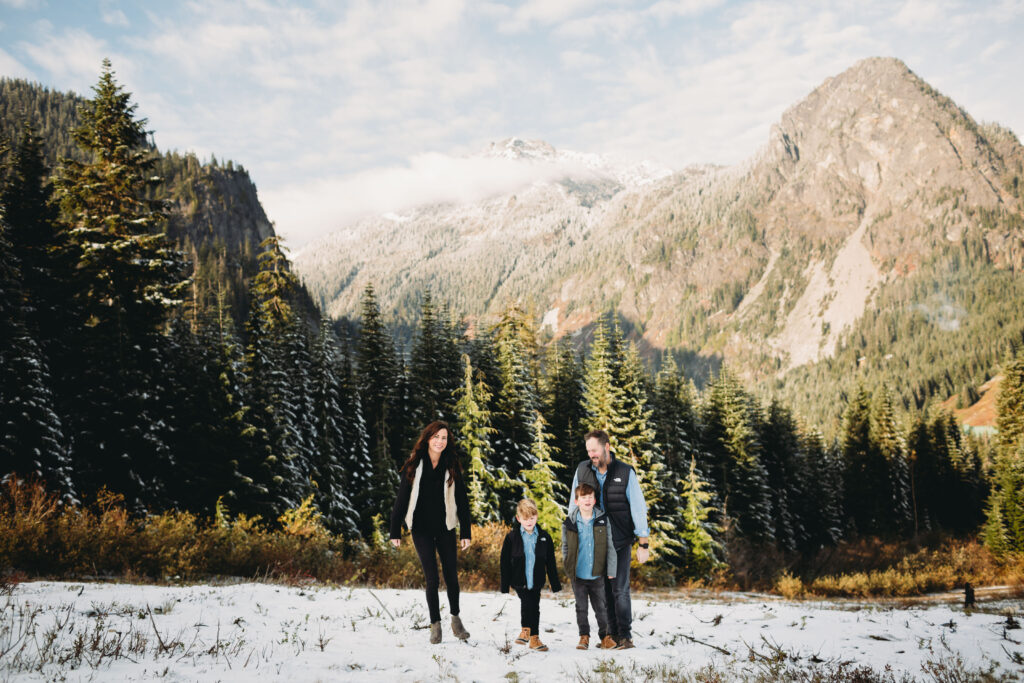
<point x="464" y="543"/>
<point x="643" y="554"/>
<point x="396" y="542"/>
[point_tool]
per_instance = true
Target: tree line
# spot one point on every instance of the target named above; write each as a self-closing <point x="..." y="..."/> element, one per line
<point x="114" y="377"/>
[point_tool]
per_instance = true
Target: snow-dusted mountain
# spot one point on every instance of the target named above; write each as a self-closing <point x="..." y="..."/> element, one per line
<point x="875" y="195"/>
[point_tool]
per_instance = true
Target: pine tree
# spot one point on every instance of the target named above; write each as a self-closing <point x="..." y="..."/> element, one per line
<point x="866" y="482"/>
<point x="1004" y="525"/>
<point x="540" y="482"/>
<point x="32" y="442"/>
<point x="333" y="486"/>
<point x="560" y="396"/>
<point x="888" y="440"/>
<point x="601" y="390"/>
<point x="473" y="421"/>
<point x="780" y="447"/>
<point x="702" y="548"/>
<point x="355" y="459"/>
<point x="819" y="503"/>
<point x="731" y="422"/>
<point x="434" y="367"/>
<point x="516" y="400"/>
<point x="127" y="278"/>
<point x="376" y="373"/>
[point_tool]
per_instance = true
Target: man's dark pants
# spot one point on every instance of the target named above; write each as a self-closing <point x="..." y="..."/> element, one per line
<point x="620" y="617"/>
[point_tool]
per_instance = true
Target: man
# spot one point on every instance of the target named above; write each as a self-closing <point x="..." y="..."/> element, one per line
<point x="620" y="497"/>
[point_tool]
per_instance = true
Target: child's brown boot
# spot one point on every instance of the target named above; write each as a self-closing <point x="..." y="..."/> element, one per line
<point x="584" y="643"/>
<point x="607" y="643"/>
<point x="524" y="637"/>
<point x="535" y="644"/>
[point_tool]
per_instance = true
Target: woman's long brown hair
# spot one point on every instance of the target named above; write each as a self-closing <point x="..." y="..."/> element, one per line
<point x="449" y="457"/>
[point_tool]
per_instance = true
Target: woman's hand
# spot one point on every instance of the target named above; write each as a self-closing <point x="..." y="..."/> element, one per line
<point x="464" y="543"/>
<point x="396" y="542"/>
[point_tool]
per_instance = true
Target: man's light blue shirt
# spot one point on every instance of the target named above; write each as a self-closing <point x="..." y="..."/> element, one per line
<point x="530" y="550"/>
<point x="637" y="504"/>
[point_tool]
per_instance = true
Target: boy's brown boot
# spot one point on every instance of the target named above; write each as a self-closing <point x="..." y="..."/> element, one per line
<point x="524" y="637"/>
<point x="584" y="643"/>
<point x="607" y="643"/>
<point x="535" y="644"/>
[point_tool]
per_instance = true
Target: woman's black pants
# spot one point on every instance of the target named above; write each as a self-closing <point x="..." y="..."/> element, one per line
<point x="429" y="547"/>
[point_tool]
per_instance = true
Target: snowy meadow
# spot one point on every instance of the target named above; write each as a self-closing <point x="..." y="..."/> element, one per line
<point x="104" y="632"/>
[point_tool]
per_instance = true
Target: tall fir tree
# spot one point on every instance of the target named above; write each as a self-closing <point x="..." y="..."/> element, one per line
<point x="887" y="438"/>
<point x="540" y="482"/>
<point x="1004" y="526"/>
<point x="127" y="278"/>
<point x="483" y="481"/>
<point x="562" y="384"/>
<point x="702" y="549"/>
<point x="866" y="480"/>
<point x="333" y="486"/>
<point x="780" y="448"/>
<point x="516" y="401"/>
<point x="434" y="367"/>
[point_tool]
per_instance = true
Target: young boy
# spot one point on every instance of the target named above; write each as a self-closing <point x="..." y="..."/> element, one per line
<point x="525" y="555"/>
<point x="588" y="555"/>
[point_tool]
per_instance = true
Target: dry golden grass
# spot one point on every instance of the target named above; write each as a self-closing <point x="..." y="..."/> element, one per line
<point x="41" y="537"/>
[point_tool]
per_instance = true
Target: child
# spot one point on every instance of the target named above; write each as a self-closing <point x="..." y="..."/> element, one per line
<point x="588" y="554"/>
<point x="525" y="555"/>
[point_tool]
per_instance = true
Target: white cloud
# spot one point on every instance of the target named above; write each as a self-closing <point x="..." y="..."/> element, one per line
<point x="580" y="61"/>
<point x="303" y="212"/>
<point x="12" y="68"/>
<point x="115" y="18"/>
<point x="74" y="57"/>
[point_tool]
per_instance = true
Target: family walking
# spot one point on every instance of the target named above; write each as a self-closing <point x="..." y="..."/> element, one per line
<point x="607" y="513"/>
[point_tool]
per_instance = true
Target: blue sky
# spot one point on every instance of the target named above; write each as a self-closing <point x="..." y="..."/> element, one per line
<point x="342" y="108"/>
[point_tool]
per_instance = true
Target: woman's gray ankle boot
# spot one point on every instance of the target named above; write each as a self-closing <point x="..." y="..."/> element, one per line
<point x="458" y="629"/>
<point x="435" y="633"/>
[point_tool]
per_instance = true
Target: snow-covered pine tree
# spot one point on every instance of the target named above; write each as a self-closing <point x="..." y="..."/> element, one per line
<point x="731" y="419"/>
<point x="330" y="476"/>
<point x="355" y="460"/>
<point x="127" y="278"/>
<point x="376" y="371"/>
<point x="701" y="550"/>
<point x="473" y="424"/>
<point x="515" y="398"/>
<point x="432" y="372"/>
<point x="602" y="398"/>
<point x="31" y="435"/>
<point x="561" y="388"/>
<point x="540" y="482"/>
<point x="819" y="505"/>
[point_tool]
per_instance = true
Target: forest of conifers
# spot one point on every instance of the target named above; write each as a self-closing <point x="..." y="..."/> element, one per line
<point x="115" y="372"/>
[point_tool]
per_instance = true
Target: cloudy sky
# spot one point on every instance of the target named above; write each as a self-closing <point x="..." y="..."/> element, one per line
<point x="341" y="108"/>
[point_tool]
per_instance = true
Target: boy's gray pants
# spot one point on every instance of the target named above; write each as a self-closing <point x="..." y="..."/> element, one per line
<point x="592" y="590"/>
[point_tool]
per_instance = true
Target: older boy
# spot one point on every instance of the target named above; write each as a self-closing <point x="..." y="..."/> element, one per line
<point x="588" y="555"/>
<point x="525" y="555"/>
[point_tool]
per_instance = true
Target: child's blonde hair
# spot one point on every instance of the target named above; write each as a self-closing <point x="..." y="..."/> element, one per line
<point x="526" y="509"/>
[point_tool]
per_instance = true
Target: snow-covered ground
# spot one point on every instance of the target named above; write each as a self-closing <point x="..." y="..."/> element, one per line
<point x="249" y="631"/>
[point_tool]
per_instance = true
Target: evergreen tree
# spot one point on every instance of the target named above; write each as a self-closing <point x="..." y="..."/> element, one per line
<point x="701" y="537"/>
<point x="516" y="400"/>
<point x="333" y="486"/>
<point x="355" y="459"/>
<point x="888" y="440"/>
<point x="127" y="278"/>
<point x="780" y="448"/>
<point x="560" y="395"/>
<point x="540" y="482"/>
<point x="434" y="368"/>
<point x="819" y="501"/>
<point x="376" y="374"/>
<point x="1004" y="525"/>
<point x="32" y="442"/>
<point x="601" y="389"/>
<point x="483" y="482"/>
<point x="731" y="422"/>
<point x="866" y="482"/>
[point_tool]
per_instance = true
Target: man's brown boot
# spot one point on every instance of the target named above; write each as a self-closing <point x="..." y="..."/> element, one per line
<point x="535" y="644"/>
<point x="607" y="643"/>
<point x="524" y="637"/>
<point x="584" y="643"/>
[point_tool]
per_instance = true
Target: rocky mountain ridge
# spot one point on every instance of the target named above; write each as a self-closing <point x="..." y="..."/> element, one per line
<point x="769" y="265"/>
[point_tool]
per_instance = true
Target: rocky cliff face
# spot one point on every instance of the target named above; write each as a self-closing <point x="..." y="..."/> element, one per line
<point x="765" y="264"/>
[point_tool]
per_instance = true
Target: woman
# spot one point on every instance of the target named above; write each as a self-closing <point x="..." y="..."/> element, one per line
<point x="431" y="497"/>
